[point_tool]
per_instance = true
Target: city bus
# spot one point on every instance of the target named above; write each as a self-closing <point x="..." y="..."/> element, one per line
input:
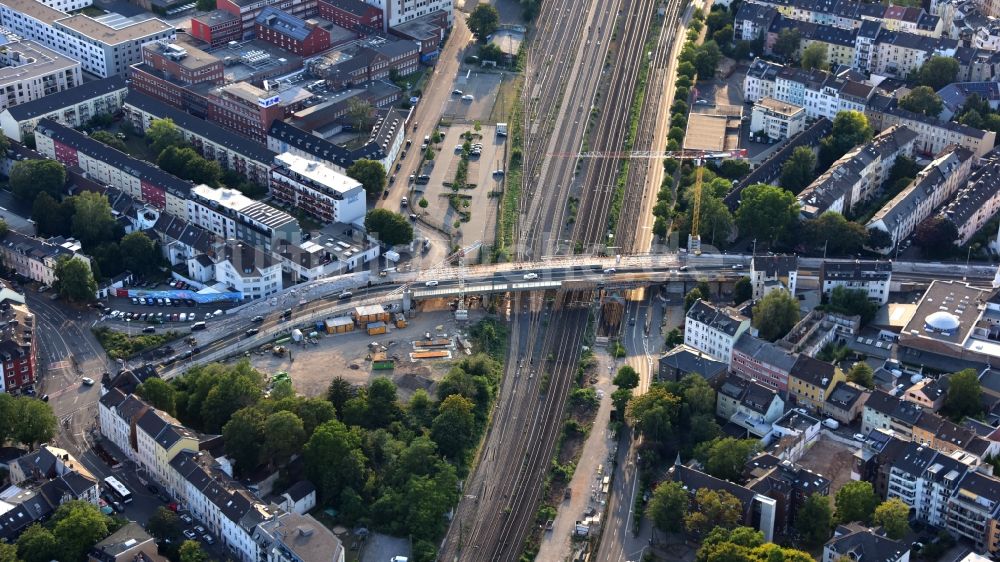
<point x="117" y="489"/>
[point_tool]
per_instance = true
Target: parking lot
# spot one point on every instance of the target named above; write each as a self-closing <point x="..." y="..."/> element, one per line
<point x="482" y="86"/>
<point x="473" y="210"/>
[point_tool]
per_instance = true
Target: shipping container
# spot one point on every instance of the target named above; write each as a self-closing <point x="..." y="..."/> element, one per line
<point x="339" y="325"/>
<point x="364" y="315"/>
<point x="376" y="328"/>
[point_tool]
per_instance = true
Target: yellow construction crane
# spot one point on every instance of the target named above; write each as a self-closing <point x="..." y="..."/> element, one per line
<point x="694" y="239"/>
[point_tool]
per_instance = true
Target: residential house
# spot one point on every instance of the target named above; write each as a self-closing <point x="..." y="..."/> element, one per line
<point x="975" y="203"/>
<point x="886" y="412"/>
<point x="759" y="511"/>
<point x="299" y="498"/>
<point x="811" y="381"/>
<point x="72" y="107"/>
<point x="846" y="401"/>
<point x="773" y="272"/>
<point x="928" y="392"/>
<point x="684" y="360"/>
<point x="749" y="405"/>
<point x="863" y="544"/>
<point x="713" y="330"/>
<point x="131" y="543"/>
<point x="36" y="258"/>
<point x="762" y="361"/>
<point x="873" y="277"/>
<point x="933" y="135"/>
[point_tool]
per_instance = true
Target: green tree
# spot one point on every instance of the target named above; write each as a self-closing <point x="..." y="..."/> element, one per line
<point x="878" y="239"/>
<point x="158" y="392"/>
<point x="139" y="253"/>
<point x="713" y="509"/>
<point x="202" y="171"/>
<point x="37" y="544"/>
<point x="9" y="410"/>
<point x="370" y="173"/>
<point x="855" y="501"/>
<point x="627" y="377"/>
<point x="964" y="395"/>
<point x="233" y="388"/>
<point x="244" y="436"/>
<point x="668" y="506"/>
<point x="162" y="133"/>
<point x="359" y="113"/>
<point x="742" y="290"/>
<point x="861" y="374"/>
<point x="173" y="158"/>
<point x="893" y="515"/>
<point x="483" y="21"/>
<point x="74" y="279"/>
<point x="834" y="233"/>
<point x="383" y="403"/>
<point x="691" y="297"/>
<point x="850" y="128"/>
<point x="654" y="413"/>
<point x="78" y="526"/>
<point x="851" y="302"/>
<point x="707" y="59"/>
<point x="191" y="551"/>
<point x="775" y="314"/>
<point x="718" y="19"/>
<point x="814" y="56"/>
<point x="725" y="457"/>
<point x="109" y="139"/>
<point x="454" y="428"/>
<point x="766" y="212"/>
<point x="936" y="236"/>
<point x="937" y="72"/>
<point x="165" y="525"/>
<point x="716" y="222"/>
<point x="339" y="392"/>
<point x="284" y="435"/>
<point x="392" y="228"/>
<point x="28" y="178"/>
<point x="334" y="460"/>
<point x="8" y="553"/>
<point x="93" y="222"/>
<point x="788" y="42"/>
<point x="797" y="172"/>
<point x="698" y="395"/>
<point x="620" y="398"/>
<point x="923" y="100"/>
<point x="813" y="520"/>
<point x="52" y="217"/>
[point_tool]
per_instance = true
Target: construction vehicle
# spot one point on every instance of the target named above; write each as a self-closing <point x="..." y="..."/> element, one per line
<point x="278" y="351"/>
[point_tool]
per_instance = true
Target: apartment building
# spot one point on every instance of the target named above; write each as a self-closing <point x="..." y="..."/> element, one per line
<point x="183" y="63"/>
<point x="762" y="361"/>
<point x="759" y="510"/>
<point x="713" y="330"/>
<point x="934" y="185"/>
<point x="856" y="175"/>
<point x="811" y="381"/>
<point x="872" y="277"/>
<point x="768" y="273"/>
<point x="250" y="159"/>
<point x="974" y="511"/>
<point x="845" y="14"/>
<point x="355" y="15"/>
<point x="912" y="20"/>
<point x="217" y="27"/>
<point x="839" y="43"/>
<point x="788" y="484"/>
<point x="886" y="412"/>
<point x="36" y="258"/>
<point x="752" y="21"/>
<point x="18" y="359"/>
<point x="230" y="214"/>
<point x="776" y="119"/>
<point x="72" y="107"/>
<point x="159" y="437"/>
<point x="683" y="360"/>
<point x="845" y="402"/>
<point x="317" y="189"/>
<point x="249" y="270"/>
<point x="387" y="140"/>
<point x="101" y="49"/>
<point x="975" y="202"/>
<point x="30" y="71"/>
<point x="748" y="405"/>
<point x="137" y="178"/>
<point x="897" y="54"/>
<point x="291" y="33"/>
<point x="117" y="415"/>
<point x="933" y="135"/>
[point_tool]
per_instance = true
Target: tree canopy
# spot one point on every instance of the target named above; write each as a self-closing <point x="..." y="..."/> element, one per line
<point x="797" y="172"/>
<point x="850" y="128"/>
<point x="627" y="377"/>
<point x="392" y="228"/>
<point x="29" y="178"/>
<point x="74" y="280"/>
<point x="814" y="56"/>
<point x="766" y="212"/>
<point x="483" y="21"/>
<point x="668" y="507"/>
<point x="964" y="395"/>
<point x="861" y="374"/>
<point x="775" y="314"/>
<point x="894" y="517"/>
<point x="855" y="501"/>
<point x="725" y="457"/>
<point x="937" y="72"/>
<point x="923" y="100"/>
<point x="936" y="236"/>
<point x="813" y="520"/>
<point x="163" y="133"/>
<point x="788" y="42"/>
<point x="713" y="509"/>
<point x="371" y="173"/>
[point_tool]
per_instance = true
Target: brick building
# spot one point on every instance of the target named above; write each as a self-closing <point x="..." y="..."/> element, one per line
<point x="245" y="109"/>
<point x="18" y="361"/>
<point x="248" y="10"/>
<point x="217" y="27"/>
<point x="352" y="14"/>
<point x="291" y="33"/>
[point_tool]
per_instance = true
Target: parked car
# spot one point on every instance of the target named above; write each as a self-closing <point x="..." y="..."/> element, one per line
<point x="87" y="381"/>
<point x="188" y="533"/>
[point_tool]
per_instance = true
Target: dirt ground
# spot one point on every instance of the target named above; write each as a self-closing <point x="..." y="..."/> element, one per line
<point x="830" y="460"/>
<point x="312" y="367"/>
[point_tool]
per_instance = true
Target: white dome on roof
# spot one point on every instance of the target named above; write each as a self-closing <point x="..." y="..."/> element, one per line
<point x="943" y="321"/>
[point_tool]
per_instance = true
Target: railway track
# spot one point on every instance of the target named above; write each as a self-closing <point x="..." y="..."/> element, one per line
<point x="634" y="203"/>
<point x="611" y="133"/>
